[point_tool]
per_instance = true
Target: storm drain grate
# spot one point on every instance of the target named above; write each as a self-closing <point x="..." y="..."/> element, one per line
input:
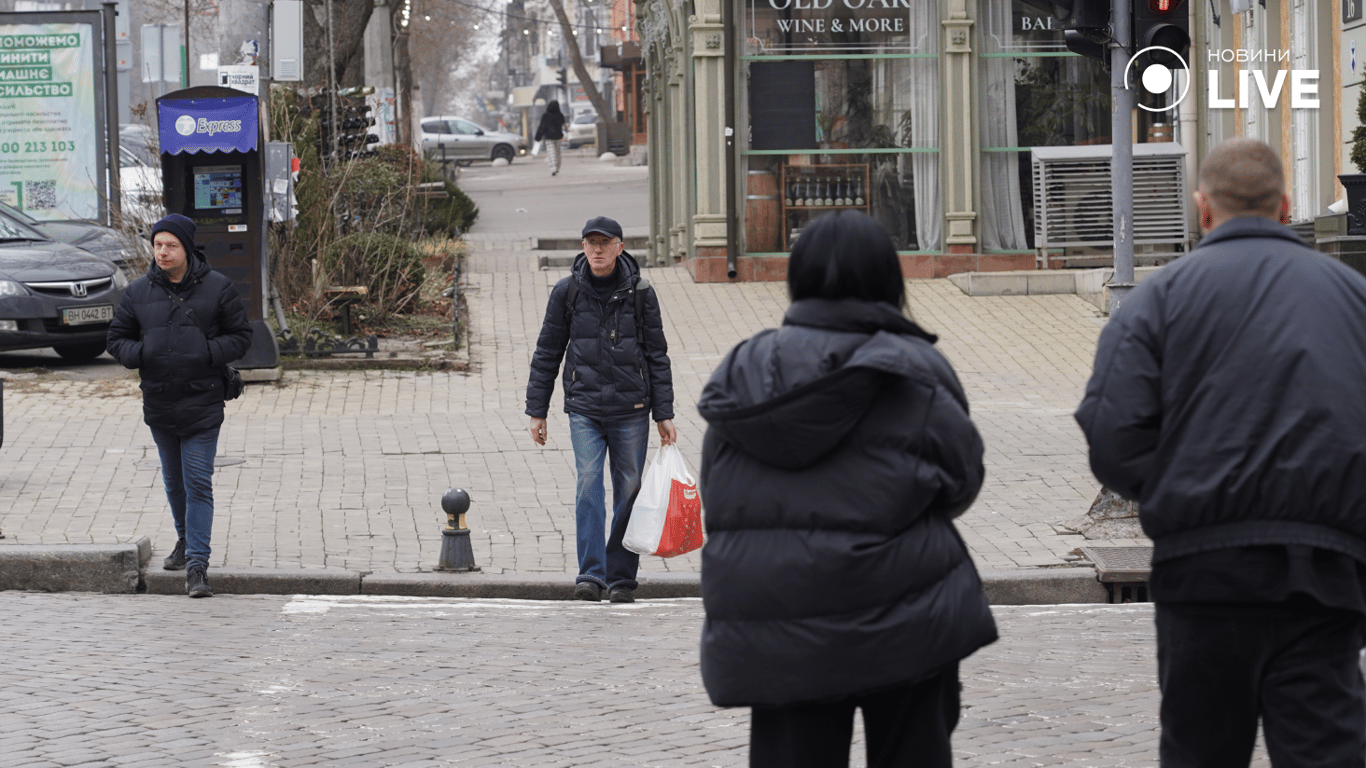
<point x="1123" y="570"/>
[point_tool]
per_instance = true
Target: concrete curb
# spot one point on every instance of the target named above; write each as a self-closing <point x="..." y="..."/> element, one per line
<point x="123" y="568"/>
<point x="108" y="568"/>
<point x="260" y="581"/>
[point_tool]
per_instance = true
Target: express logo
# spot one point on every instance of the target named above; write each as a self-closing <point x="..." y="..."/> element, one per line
<point x="184" y="125"/>
<point x="217" y="126"/>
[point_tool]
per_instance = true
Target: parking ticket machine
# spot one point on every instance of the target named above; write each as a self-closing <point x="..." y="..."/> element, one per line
<point x="211" y="163"/>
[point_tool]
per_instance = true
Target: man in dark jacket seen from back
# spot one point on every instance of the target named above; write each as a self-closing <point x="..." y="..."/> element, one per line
<point x="1227" y="400"/>
<point x="604" y="322"/>
<point x="180" y="325"/>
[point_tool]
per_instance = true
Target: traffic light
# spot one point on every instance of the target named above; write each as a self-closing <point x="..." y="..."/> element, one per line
<point x="1085" y="24"/>
<point x="562" y="76"/>
<point x="1164" y="23"/>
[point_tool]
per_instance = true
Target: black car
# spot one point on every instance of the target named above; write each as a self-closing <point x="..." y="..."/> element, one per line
<point x="54" y="295"/>
<point x="87" y="235"/>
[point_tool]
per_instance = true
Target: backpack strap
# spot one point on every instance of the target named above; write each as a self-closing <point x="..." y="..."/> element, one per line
<point x="642" y="285"/>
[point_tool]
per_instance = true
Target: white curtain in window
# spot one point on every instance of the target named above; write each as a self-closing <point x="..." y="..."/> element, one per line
<point x="1002" y="211"/>
<point x="924" y="116"/>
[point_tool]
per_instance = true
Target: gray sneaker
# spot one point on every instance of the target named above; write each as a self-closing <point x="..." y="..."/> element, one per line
<point x="587" y="590"/>
<point x="197" y="582"/>
<point x="176" y="560"/>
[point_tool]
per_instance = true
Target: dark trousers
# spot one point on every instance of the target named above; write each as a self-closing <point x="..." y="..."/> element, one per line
<point x="1221" y="667"/>
<point x="903" y="727"/>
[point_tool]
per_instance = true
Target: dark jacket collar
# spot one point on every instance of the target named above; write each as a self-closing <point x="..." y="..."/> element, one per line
<point x="195" y="269"/>
<point x="1250" y="226"/>
<point x="627" y="269"/>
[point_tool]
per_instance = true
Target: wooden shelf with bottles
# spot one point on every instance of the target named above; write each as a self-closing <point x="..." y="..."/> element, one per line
<point x="810" y="190"/>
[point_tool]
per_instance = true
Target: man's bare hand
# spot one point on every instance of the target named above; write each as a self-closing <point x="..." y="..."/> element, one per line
<point x="667" y="434"/>
<point x="538" y="430"/>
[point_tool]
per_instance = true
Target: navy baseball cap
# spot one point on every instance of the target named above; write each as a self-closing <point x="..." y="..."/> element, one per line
<point x="603" y="226"/>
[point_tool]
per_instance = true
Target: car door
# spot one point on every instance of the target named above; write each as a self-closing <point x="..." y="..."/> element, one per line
<point x="437" y="137"/>
<point x="474" y="144"/>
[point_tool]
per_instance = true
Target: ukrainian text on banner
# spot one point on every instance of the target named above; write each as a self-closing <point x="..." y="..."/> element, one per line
<point x="49" y="144"/>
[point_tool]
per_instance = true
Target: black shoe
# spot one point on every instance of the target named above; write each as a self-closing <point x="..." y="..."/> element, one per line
<point x="587" y="590"/>
<point x="197" y="582"/>
<point x="176" y="560"/>
<point x="623" y="595"/>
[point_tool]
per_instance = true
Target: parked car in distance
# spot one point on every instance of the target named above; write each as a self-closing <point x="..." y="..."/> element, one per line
<point x="89" y="236"/>
<point x="461" y="140"/>
<point x="54" y="295"/>
<point x="140" y="191"/>
<point x="584" y="130"/>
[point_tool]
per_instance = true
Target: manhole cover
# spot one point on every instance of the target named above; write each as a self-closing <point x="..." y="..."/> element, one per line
<point x="1121" y="563"/>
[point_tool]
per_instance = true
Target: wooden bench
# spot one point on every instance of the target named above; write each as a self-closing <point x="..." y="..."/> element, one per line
<point x="344" y="296"/>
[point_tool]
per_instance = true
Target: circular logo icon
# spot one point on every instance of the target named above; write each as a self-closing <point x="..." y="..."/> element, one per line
<point x="1157" y="77"/>
<point x="184" y="125"/>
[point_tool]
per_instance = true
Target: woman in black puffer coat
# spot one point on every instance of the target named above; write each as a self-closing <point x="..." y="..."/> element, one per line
<point x="551" y="131"/>
<point x="838" y="452"/>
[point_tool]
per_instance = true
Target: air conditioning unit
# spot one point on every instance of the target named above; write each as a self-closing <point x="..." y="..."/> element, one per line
<point x="1072" y="199"/>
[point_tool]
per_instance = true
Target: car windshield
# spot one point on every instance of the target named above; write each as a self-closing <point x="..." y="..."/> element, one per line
<point x="10" y="229"/>
<point x="9" y="211"/>
<point x="585" y="119"/>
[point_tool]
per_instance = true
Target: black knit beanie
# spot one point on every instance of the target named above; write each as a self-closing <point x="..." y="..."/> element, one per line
<point x="181" y="226"/>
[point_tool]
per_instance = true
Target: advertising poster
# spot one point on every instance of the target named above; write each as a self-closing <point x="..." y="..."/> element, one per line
<point x="49" y="139"/>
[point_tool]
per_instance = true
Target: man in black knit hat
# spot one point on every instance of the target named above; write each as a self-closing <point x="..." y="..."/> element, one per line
<point x="181" y="324"/>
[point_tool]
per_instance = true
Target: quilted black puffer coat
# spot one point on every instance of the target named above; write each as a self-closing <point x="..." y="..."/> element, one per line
<point x="608" y="371"/>
<point x="838" y="451"/>
<point x="182" y="384"/>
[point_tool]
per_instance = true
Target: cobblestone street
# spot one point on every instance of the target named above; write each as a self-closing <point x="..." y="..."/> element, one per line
<point x="281" y="682"/>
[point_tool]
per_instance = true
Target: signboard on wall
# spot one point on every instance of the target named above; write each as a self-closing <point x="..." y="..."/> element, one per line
<point x="814" y="27"/>
<point x="50" y="131"/>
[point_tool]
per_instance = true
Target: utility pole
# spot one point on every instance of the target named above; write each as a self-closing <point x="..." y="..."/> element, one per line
<point x="1123" y="100"/>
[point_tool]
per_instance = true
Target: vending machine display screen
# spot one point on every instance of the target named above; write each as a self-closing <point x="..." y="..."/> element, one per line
<point x="218" y="188"/>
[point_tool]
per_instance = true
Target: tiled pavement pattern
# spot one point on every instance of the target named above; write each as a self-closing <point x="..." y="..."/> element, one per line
<point x="280" y="682"/>
<point x="331" y="469"/>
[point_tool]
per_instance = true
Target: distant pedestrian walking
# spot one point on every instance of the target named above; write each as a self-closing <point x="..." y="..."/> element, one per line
<point x="1226" y="399"/>
<point x="551" y="131"/>
<point x="180" y="325"/>
<point x="838" y="451"/>
<point x="603" y="321"/>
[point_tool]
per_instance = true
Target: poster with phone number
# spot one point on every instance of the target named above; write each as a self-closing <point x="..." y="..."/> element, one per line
<point x="48" y="132"/>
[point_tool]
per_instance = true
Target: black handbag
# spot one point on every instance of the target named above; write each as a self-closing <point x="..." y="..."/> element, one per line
<point x="232" y="378"/>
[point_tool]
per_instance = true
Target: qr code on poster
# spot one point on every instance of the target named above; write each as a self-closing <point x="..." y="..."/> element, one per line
<point x="40" y="194"/>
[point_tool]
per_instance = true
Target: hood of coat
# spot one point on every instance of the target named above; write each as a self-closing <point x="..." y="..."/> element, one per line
<point x="789" y="396"/>
<point x="627" y="268"/>
<point x="195" y="270"/>
<point x="1249" y="226"/>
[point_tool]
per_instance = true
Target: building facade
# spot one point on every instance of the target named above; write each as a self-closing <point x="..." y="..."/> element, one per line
<point x="966" y="127"/>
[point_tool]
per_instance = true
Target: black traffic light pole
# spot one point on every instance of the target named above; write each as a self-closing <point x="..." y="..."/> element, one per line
<point x="1122" y="160"/>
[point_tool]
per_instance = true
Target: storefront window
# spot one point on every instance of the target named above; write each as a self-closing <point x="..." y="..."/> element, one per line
<point x="1035" y="93"/>
<point x="843" y="113"/>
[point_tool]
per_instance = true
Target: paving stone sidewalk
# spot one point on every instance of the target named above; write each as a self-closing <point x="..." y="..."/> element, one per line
<point x="345" y="469"/>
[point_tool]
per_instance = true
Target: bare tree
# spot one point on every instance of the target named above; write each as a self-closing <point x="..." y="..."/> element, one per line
<point x="349" y="18"/>
<point x="590" y="89"/>
<point x="441" y="38"/>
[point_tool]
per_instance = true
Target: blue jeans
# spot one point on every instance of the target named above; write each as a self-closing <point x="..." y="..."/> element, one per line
<point x="187" y="471"/>
<point x="622" y="442"/>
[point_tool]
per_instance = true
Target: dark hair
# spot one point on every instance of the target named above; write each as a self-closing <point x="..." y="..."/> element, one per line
<point x="846" y="255"/>
<point x="553" y="106"/>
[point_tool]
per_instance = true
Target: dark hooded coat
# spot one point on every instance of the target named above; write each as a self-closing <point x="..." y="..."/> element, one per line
<point x="838" y="451"/>
<point x="182" y="367"/>
<point x="610" y="370"/>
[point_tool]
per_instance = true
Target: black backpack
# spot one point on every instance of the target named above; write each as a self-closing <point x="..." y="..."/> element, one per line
<point x="642" y="285"/>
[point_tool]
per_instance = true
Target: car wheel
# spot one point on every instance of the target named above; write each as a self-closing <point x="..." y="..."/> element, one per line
<point x="81" y="353"/>
<point x="504" y="151"/>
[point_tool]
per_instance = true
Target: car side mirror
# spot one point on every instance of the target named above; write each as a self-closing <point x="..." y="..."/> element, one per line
<point x="478" y="131"/>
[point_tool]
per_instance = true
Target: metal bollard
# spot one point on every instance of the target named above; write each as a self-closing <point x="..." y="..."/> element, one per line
<point x="457" y="554"/>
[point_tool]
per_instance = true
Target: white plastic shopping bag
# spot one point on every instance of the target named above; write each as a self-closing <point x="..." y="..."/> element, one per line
<point x="536" y="148"/>
<point x="667" y="517"/>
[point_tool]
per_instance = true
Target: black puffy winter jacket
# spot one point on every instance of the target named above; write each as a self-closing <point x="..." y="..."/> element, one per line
<point x="838" y="451"/>
<point x="1227" y="397"/>
<point x="182" y="385"/>
<point x="608" y="371"/>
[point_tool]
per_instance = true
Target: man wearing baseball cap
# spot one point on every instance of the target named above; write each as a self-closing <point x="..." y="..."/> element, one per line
<point x="603" y="321"/>
<point x="181" y="324"/>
